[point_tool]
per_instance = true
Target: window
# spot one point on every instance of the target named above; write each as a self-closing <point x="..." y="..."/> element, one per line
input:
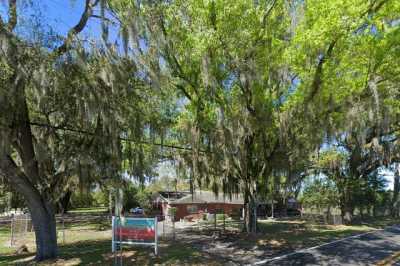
<point x="191" y="208"/>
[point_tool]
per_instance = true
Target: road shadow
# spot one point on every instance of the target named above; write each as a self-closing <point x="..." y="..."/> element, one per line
<point x="367" y="249"/>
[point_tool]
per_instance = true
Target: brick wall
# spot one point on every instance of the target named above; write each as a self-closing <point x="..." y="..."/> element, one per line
<point x="182" y="209"/>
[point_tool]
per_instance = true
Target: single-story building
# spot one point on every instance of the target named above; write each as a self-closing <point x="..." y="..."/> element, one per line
<point x="187" y="203"/>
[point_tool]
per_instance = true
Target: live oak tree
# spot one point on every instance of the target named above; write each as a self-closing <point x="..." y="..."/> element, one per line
<point x="226" y="60"/>
<point x="215" y="53"/>
<point x="320" y="193"/>
<point x="24" y="160"/>
<point x="263" y="84"/>
<point x="345" y="56"/>
<point x="69" y="111"/>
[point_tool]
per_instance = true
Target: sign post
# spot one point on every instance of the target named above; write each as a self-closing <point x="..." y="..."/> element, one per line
<point x="156" y="236"/>
<point x="134" y="231"/>
<point x="113" y="234"/>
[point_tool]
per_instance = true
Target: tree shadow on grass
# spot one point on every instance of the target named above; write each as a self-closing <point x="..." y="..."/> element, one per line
<point x="275" y="239"/>
<point x="99" y="253"/>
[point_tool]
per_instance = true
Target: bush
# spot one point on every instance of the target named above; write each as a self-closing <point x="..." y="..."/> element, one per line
<point x="143" y="198"/>
<point x="101" y="198"/>
<point x="82" y="200"/>
<point x="220" y="216"/>
<point x="131" y="197"/>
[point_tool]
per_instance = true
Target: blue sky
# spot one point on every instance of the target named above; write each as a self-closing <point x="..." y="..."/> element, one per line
<point x="59" y="15"/>
<point x="64" y="14"/>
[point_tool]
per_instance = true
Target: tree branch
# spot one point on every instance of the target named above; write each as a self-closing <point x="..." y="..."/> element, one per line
<point x="105" y="19"/>
<point x="173" y="61"/>
<point x="266" y="14"/>
<point x="12" y="14"/>
<point x="18" y="179"/>
<point x="374" y="7"/>
<point x="317" y="82"/>
<point x="87" y="13"/>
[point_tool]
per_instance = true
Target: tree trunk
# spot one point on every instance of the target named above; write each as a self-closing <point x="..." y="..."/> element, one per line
<point x="250" y="218"/>
<point x="42" y="212"/>
<point x="44" y="223"/>
<point x="64" y="202"/>
<point x="361" y="208"/>
<point x="328" y="215"/>
<point x="284" y="209"/>
<point x="346" y="206"/>
<point x="347" y="213"/>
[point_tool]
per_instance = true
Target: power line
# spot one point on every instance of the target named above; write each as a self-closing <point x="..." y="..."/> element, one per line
<point x="85" y="132"/>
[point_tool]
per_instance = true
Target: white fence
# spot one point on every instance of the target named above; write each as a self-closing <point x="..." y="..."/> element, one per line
<point x="19" y="227"/>
<point x="166" y="228"/>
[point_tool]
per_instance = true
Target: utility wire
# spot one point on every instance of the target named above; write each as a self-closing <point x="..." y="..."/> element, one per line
<point x="85" y="132"/>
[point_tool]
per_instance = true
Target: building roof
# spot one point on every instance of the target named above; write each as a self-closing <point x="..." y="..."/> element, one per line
<point x="208" y="197"/>
<point x="172" y="195"/>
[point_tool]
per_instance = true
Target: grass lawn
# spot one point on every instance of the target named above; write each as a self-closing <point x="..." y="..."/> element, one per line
<point x="89" y="243"/>
<point x="300" y="234"/>
<point x="98" y="252"/>
<point x="4" y="238"/>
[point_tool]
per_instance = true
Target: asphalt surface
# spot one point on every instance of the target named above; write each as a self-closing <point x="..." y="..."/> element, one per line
<point x="367" y="249"/>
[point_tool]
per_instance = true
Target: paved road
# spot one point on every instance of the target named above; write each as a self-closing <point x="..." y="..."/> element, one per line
<point x="375" y="248"/>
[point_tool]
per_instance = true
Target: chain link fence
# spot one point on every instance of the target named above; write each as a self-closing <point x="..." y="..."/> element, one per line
<point x="17" y="230"/>
<point x="21" y="226"/>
